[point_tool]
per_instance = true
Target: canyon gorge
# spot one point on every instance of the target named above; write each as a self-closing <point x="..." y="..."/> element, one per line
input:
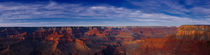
<point x="106" y="40"/>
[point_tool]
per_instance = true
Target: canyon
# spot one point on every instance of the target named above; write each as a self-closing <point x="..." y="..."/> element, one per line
<point x="106" y="40"/>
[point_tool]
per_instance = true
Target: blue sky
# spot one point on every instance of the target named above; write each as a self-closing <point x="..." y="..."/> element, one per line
<point x="104" y="12"/>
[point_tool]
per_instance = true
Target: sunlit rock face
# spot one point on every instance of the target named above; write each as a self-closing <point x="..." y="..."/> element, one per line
<point x="95" y="32"/>
<point x="194" y="32"/>
<point x="189" y="40"/>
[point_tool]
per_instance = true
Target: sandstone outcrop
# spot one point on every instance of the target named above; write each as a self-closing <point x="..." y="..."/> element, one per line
<point x="194" y="32"/>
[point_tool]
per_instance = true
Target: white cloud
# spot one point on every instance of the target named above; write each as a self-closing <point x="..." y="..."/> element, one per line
<point x="55" y="10"/>
<point x="200" y="10"/>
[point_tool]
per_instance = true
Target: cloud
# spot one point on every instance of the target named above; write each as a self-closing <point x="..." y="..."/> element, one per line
<point x="13" y="11"/>
<point x="185" y="8"/>
<point x="170" y="6"/>
<point x="201" y="10"/>
<point x="29" y="24"/>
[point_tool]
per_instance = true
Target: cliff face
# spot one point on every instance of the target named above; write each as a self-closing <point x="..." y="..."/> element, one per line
<point x="189" y="40"/>
<point x="95" y="32"/>
<point x="194" y="32"/>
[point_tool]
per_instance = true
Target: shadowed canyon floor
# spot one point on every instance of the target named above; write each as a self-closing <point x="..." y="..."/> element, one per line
<point x="95" y="40"/>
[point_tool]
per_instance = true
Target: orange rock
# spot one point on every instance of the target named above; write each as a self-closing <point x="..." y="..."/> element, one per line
<point x="95" y="32"/>
<point x="79" y="41"/>
<point x="194" y="32"/>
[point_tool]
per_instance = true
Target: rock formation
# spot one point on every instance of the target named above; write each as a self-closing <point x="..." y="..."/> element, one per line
<point x="194" y="32"/>
<point x="131" y="40"/>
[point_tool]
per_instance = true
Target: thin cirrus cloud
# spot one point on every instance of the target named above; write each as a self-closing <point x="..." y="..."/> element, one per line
<point x="194" y="9"/>
<point x="65" y="14"/>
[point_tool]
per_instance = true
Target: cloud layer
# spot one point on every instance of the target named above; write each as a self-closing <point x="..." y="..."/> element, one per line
<point x="67" y="14"/>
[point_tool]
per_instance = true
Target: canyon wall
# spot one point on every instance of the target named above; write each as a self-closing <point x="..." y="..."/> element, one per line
<point x="189" y="40"/>
<point x="131" y="40"/>
<point x="194" y="32"/>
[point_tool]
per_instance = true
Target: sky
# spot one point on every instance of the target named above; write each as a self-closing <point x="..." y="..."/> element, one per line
<point x="27" y="13"/>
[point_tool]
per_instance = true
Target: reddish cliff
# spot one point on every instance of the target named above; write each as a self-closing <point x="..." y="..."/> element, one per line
<point x="189" y="40"/>
<point x="95" y="32"/>
<point x="194" y="32"/>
